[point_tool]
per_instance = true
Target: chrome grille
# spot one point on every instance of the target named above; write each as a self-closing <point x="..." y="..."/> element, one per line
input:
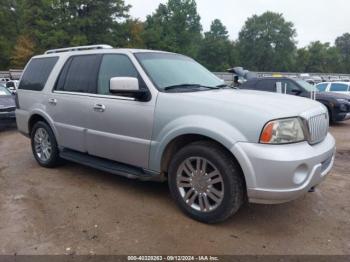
<point x="318" y="128"/>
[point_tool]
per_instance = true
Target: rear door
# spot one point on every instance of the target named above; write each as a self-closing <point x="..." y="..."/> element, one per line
<point x="68" y="104"/>
<point x="119" y="127"/>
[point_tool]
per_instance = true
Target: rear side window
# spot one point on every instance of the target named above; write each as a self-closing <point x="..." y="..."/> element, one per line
<point x="37" y="73"/>
<point x="79" y="74"/>
<point x="339" y="87"/>
<point x="322" y="87"/>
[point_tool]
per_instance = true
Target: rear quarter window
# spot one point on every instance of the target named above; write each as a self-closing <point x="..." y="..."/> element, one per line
<point x="37" y="72"/>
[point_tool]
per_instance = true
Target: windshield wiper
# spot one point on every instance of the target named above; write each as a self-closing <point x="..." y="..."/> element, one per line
<point x="188" y="85"/>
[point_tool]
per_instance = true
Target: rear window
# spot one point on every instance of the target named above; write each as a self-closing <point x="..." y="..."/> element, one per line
<point x="339" y="87"/>
<point x="37" y="72"/>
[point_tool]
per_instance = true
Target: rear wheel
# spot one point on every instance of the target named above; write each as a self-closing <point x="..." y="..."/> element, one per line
<point x="205" y="182"/>
<point x="44" y="145"/>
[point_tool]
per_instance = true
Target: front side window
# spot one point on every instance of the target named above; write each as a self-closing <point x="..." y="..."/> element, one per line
<point x="322" y="87"/>
<point x="37" y="72"/>
<point x="171" y="70"/>
<point x="114" y="65"/>
<point x="79" y="74"/>
<point x="266" y="85"/>
<point x="339" y="87"/>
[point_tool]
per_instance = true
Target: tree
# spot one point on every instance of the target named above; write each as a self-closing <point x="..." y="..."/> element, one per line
<point x="9" y="29"/>
<point x="217" y="51"/>
<point x="23" y="51"/>
<point x="343" y="45"/>
<point x="319" y="57"/>
<point x="174" y="27"/>
<point x="267" y="43"/>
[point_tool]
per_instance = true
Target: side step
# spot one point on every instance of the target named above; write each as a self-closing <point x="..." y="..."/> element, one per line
<point x="109" y="166"/>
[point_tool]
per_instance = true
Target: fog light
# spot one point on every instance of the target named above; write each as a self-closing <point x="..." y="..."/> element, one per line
<point x="300" y="174"/>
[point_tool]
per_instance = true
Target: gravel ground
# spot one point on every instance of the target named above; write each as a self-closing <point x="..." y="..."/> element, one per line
<point x="78" y="210"/>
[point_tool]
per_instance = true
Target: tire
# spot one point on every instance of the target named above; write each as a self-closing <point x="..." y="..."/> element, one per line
<point x="230" y="186"/>
<point x="331" y="121"/>
<point x="51" y="159"/>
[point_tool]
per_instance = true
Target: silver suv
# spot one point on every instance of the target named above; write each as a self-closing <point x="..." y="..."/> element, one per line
<point x="155" y="115"/>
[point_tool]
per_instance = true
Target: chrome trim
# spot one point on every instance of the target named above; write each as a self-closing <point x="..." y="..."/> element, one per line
<point x="78" y="48"/>
<point x="94" y="95"/>
<point x="317" y="128"/>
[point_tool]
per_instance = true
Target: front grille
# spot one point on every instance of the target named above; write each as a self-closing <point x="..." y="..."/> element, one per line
<point x="318" y="128"/>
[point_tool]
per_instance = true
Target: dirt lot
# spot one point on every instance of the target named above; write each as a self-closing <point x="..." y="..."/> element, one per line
<point x="79" y="210"/>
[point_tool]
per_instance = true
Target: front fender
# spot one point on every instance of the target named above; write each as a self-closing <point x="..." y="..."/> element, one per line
<point x="216" y="129"/>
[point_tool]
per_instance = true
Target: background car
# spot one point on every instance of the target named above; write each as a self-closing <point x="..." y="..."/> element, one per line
<point x="12" y="85"/>
<point x="338" y="105"/>
<point x="7" y="106"/>
<point x="337" y="87"/>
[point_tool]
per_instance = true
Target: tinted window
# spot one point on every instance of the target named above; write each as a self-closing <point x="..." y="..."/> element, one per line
<point x="266" y="85"/>
<point x="79" y="74"/>
<point x="37" y="73"/>
<point x="322" y="87"/>
<point x="339" y="87"/>
<point x="114" y="66"/>
<point x="287" y="87"/>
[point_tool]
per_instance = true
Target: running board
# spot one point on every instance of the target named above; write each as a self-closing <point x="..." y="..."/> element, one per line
<point x="109" y="166"/>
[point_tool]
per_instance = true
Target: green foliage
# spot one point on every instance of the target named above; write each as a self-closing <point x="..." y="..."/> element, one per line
<point x="216" y="51"/>
<point x="174" y="27"/>
<point x="342" y="43"/>
<point x="319" y="57"/>
<point x="267" y="42"/>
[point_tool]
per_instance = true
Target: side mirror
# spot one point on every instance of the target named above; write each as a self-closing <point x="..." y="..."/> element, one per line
<point x="129" y="86"/>
<point x="10" y="85"/>
<point x="296" y="91"/>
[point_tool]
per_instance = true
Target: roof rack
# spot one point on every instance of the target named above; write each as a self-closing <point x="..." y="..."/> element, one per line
<point x="78" y="48"/>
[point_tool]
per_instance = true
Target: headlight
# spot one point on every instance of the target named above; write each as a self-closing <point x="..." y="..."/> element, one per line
<point x="283" y="131"/>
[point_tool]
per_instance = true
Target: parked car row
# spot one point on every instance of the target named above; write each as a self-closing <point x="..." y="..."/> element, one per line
<point x="337" y="104"/>
<point x="7" y="106"/>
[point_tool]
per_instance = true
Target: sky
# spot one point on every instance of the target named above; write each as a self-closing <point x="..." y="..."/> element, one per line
<point x="322" y="20"/>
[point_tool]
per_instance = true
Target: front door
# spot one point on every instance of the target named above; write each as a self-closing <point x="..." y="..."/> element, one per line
<point x="119" y="127"/>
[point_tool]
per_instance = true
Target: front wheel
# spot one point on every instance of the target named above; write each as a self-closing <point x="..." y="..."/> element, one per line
<point x="206" y="182"/>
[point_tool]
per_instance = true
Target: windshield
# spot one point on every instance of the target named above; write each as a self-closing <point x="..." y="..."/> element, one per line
<point x="308" y="87"/>
<point x="173" y="70"/>
<point x="4" y="91"/>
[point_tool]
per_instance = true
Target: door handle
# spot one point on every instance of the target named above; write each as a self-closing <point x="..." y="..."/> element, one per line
<point x="53" y="101"/>
<point x="99" y="107"/>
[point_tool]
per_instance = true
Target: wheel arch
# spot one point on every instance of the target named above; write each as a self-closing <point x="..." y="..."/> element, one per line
<point x="180" y="141"/>
<point x="40" y="116"/>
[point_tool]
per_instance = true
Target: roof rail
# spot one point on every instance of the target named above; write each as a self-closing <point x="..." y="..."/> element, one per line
<point x="78" y="48"/>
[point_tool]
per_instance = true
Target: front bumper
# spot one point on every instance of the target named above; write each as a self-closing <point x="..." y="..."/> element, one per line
<point x="342" y="117"/>
<point x="6" y="117"/>
<point x="281" y="173"/>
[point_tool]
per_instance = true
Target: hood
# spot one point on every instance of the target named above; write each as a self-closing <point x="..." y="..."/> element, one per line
<point x="7" y="101"/>
<point x="272" y="105"/>
<point x="331" y="95"/>
<point x="245" y="110"/>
